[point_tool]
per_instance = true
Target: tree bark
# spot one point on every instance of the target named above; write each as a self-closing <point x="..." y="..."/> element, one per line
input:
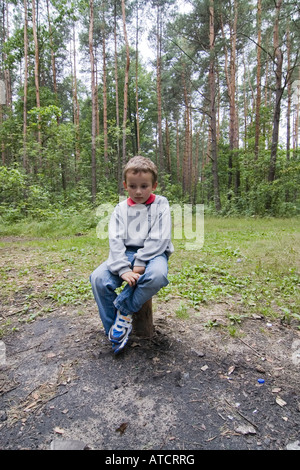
<point x="142" y="324"/>
<point x="119" y="162"/>
<point x="278" y="95"/>
<point x="7" y="75"/>
<point x="36" y="75"/>
<point x="52" y="53"/>
<point x="289" y="100"/>
<point x="186" y="167"/>
<point x="168" y="147"/>
<point x="124" y="158"/>
<point x="213" y="119"/>
<point x="105" y="130"/>
<point x="258" y="82"/>
<point x="230" y="73"/>
<point x="158" y="89"/>
<point x="177" y="152"/>
<point x="76" y="117"/>
<point x="137" y="80"/>
<point x="25" y="158"/>
<point x="296" y="118"/>
<point x="94" y="103"/>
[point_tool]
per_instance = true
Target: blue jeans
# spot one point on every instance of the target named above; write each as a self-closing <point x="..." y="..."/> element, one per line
<point x="130" y="299"/>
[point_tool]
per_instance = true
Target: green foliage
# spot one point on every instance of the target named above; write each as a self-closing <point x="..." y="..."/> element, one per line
<point x="71" y="292"/>
<point x="20" y="200"/>
<point x="255" y="195"/>
<point x="182" y="311"/>
<point x="251" y="264"/>
<point x="204" y="283"/>
<point x="44" y="116"/>
<point x="57" y="174"/>
<point x="12" y="184"/>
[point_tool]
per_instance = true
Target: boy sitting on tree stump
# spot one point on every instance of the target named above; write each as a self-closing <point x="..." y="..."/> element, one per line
<point x="140" y="246"/>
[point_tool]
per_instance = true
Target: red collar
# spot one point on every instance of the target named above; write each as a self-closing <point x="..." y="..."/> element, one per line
<point x="151" y="199"/>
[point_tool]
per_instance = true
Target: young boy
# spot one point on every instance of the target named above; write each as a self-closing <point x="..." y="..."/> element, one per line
<point x="140" y="245"/>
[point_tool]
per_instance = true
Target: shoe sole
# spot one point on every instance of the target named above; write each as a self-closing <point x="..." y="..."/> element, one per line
<point x="117" y="348"/>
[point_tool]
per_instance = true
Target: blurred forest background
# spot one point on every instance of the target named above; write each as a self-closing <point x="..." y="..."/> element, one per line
<point x="208" y="89"/>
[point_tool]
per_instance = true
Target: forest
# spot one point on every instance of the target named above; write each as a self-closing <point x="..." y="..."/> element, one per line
<point x="208" y="89"/>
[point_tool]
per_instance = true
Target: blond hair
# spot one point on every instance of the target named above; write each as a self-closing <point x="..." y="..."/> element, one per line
<point x="141" y="164"/>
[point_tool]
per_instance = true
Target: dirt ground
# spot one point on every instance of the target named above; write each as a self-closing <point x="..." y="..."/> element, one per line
<point x="188" y="387"/>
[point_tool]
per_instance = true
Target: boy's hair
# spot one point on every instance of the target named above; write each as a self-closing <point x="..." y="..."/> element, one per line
<point x="138" y="164"/>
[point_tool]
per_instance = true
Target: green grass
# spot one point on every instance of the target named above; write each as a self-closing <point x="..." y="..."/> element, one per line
<point x="64" y="224"/>
<point x="252" y="264"/>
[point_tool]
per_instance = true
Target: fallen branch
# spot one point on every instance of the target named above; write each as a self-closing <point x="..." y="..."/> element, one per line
<point x="243" y="416"/>
<point x="2" y="392"/>
<point x="248" y="345"/>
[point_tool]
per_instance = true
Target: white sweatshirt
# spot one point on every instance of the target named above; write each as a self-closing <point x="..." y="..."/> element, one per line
<point x="146" y="226"/>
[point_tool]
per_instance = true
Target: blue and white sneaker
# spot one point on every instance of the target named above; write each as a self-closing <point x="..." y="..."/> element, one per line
<point x="120" y="331"/>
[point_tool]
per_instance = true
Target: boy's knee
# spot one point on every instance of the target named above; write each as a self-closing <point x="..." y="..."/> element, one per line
<point x="162" y="279"/>
<point x="158" y="279"/>
<point x="102" y="280"/>
<point x="96" y="280"/>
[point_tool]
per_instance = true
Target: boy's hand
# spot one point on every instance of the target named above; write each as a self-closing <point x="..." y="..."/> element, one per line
<point x="130" y="277"/>
<point x="139" y="269"/>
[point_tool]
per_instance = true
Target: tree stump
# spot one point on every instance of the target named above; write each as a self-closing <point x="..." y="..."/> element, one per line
<point x="142" y="321"/>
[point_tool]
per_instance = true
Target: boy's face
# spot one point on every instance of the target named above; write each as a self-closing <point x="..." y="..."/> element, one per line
<point x="139" y="186"/>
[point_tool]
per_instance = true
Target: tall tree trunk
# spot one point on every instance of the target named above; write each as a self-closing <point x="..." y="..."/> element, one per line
<point x="213" y="117"/>
<point x="105" y="132"/>
<point x="168" y="147"/>
<point x="158" y="88"/>
<point x="186" y="177"/>
<point x="267" y="99"/>
<point x="297" y="115"/>
<point x="233" y="106"/>
<point x="278" y="94"/>
<point x="137" y="79"/>
<point x="94" y="104"/>
<point x="96" y="91"/>
<point x="195" y="169"/>
<point x="258" y="82"/>
<point x="124" y="158"/>
<point x="76" y="112"/>
<point x="246" y="104"/>
<point x="53" y="66"/>
<point x="7" y="92"/>
<point x="231" y="87"/>
<point x="191" y="163"/>
<point x="7" y="76"/>
<point x="36" y="76"/>
<point x="177" y="151"/>
<point x="25" y="157"/>
<point x="52" y="53"/>
<point x="289" y="99"/>
<point x="119" y="162"/>
<point x="2" y="90"/>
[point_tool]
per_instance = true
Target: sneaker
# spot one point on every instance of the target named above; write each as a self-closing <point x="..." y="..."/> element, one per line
<point x="120" y="331"/>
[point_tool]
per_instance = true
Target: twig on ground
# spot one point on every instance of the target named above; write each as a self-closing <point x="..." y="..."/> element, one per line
<point x="248" y="345"/>
<point x="243" y="416"/>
